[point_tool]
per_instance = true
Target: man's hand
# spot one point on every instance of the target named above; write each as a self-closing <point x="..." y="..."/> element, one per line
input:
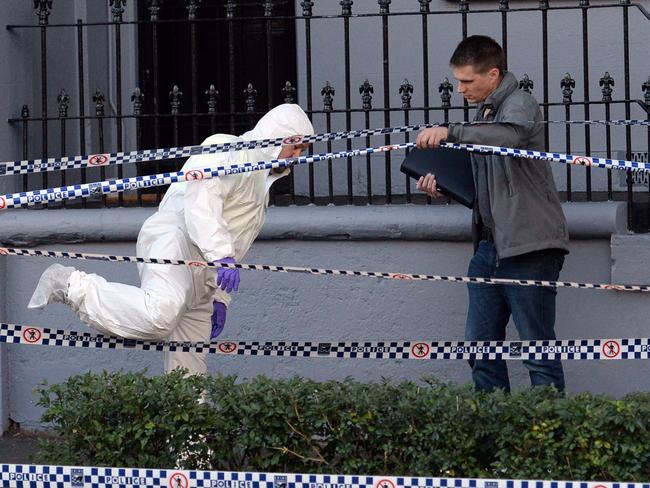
<point x="431" y="138"/>
<point x="428" y="185"/>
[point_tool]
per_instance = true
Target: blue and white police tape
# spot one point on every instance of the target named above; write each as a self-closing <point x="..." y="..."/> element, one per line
<point x="567" y="349"/>
<point x="10" y="251"/>
<point x="24" y="475"/>
<point x="146" y="155"/>
<point x="86" y="190"/>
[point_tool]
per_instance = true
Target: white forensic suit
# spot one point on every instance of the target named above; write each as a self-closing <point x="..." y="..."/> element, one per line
<point x="197" y="220"/>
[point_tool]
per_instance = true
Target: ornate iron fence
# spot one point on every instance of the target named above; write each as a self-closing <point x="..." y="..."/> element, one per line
<point x="245" y="81"/>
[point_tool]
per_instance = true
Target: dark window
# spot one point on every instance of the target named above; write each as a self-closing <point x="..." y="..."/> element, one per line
<point x="223" y="58"/>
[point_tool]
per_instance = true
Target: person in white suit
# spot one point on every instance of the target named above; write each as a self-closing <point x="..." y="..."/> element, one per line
<point x="212" y="220"/>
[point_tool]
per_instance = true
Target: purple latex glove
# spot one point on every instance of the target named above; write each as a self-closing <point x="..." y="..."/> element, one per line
<point x="228" y="278"/>
<point x="218" y="319"/>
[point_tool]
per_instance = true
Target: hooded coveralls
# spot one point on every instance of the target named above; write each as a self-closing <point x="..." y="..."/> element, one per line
<point x="197" y="220"/>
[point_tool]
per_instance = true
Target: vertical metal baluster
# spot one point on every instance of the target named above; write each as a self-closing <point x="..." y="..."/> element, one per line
<point x="568" y="84"/>
<point x="138" y="101"/>
<point x="250" y="101"/>
<point x="268" y="13"/>
<point x="63" y="101"/>
<point x="175" y="97"/>
<point x="82" y="104"/>
<point x="646" y="98"/>
<point x="384" y="10"/>
<point x="99" y="100"/>
<point x="424" y="9"/>
<point x="628" y="129"/>
<point x="463" y="7"/>
<point x="366" y="90"/>
<point x="289" y="96"/>
<point x="213" y="97"/>
<point x="327" y="108"/>
<point x="607" y="82"/>
<point x="24" y="114"/>
<point x="346" y="12"/>
<point x="154" y="8"/>
<point x="117" y="9"/>
<point x="445" y="89"/>
<point x="585" y="74"/>
<point x="504" y="7"/>
<point x="307" y="6"/>
<point x="230" y="15"/>
<point x="543" y="5"/>
<point x="405" y="90"/>
<point x="328" y="93"/>
<point x="191" y="16"/>
<point x="43" y="8"/>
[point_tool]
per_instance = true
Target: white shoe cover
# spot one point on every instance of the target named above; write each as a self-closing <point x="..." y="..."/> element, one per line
<point x="52" y="287"/>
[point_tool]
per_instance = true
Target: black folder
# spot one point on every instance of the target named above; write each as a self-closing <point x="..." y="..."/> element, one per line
<point x="451" y="167"/>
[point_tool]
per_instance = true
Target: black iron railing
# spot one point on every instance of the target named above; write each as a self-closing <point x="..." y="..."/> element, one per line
<point x="175" y="38"/>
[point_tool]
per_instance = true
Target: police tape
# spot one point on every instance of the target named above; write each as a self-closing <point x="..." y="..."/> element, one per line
<point x="10" y="251"/>
<point x="86" y="190"/>
<point x="567" y="349"/>
<point x="147" y="155"/>
<point x="24" y="475"/>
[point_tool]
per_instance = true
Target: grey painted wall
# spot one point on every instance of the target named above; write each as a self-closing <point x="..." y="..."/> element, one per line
<point x="273" y="306"/>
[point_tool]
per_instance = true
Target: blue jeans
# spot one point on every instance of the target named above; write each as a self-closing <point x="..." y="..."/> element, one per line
<point x="532" y="309"/>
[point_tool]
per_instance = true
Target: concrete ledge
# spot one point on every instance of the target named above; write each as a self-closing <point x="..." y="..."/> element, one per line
<point x="630" y="255"/>
<point x="387" y="222"/>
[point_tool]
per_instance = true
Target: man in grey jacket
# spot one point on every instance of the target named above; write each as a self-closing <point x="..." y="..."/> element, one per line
<point x="517" y="215"/>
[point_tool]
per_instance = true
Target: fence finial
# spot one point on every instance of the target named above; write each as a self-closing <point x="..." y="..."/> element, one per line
<point x="268" y="8"/>
<point x="646" y="89"/>
<point x="251" y="94"/>
<point x="567" y="84"/>
<point x="99" y="99"/>
<point x="192" y="8"/>
<point x="43" y="8"/>
<point x="213" y="97"/>
<point x="526" y="84"/>
<point x="175" y="98"/>
<point x="328" y="93"/>
<point x="384" y="6"/>
<point x="63" y="101"/>
<point x="445" y="88"/>
<point x="424" y="6"/>
<point x="405" y="90"/>
<point x="138" y="101"/>
<point x="230" y="9"/>
<point x="289" y="93"/>
<point x="366" y="89"/>
<point x="607" y="82"/>
<point x="117" y="9"/>
<point x="307" y="6"/>
<point x="346" y="7"/>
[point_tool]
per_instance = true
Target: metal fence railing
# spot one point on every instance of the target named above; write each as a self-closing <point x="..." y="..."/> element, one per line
<point x="216" y="66"/>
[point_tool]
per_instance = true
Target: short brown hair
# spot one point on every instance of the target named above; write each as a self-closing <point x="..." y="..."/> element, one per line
<point x="481" y="52"/>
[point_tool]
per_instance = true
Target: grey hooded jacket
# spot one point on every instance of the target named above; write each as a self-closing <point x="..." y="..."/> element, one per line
<point x="524" y="206"/>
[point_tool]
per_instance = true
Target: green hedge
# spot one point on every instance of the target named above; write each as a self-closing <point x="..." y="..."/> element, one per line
<point x="298" y="425"/>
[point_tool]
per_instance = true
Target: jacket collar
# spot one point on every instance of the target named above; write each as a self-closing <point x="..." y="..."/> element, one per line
<point x="508" y="84"/>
